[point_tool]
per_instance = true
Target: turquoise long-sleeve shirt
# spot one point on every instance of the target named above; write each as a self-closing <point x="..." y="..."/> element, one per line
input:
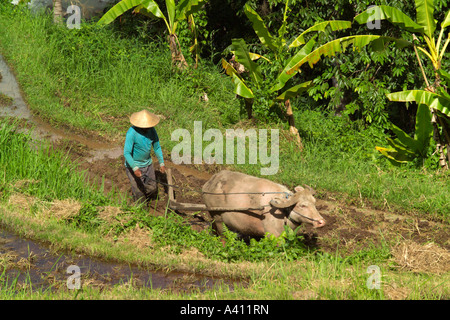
<point x="138" y="145"/>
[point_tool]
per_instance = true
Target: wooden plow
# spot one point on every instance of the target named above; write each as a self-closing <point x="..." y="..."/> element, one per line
<point x="174" y="205"/>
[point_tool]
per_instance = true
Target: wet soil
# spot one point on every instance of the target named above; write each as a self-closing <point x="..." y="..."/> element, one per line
<point x="349" y="228"/>
<point x="27" y="261"/>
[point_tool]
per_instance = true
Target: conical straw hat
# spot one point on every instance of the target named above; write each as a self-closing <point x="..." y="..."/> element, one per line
<point x="144" y="119"/>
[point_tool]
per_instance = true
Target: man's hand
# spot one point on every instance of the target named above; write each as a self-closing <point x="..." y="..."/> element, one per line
<point x="162" y="169"/>
<point x="138" y="173"/>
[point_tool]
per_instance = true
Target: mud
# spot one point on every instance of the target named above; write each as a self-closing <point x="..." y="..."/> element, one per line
<point x="29" y="262"/>
<point x="34" y="262"/>
<point x="349" y="228"/>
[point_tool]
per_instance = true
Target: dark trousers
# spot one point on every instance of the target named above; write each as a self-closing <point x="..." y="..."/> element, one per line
<point x="144" y="188"/>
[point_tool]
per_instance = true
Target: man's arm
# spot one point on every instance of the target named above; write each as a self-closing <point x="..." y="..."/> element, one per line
<point x="159" y="155"/>
<point x="127" y="152"/>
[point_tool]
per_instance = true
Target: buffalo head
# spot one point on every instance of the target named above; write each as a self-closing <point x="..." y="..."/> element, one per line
<point x="301" y="206"/>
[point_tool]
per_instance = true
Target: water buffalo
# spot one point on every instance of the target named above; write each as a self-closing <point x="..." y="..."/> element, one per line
<point x="273" y="205"/>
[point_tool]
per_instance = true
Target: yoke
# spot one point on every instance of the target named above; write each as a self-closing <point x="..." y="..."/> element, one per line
<point x="174" y="205"/>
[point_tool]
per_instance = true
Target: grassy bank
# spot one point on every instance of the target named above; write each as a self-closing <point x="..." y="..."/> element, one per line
<point x="90" y="80"/>
<point x="44" y="196"/>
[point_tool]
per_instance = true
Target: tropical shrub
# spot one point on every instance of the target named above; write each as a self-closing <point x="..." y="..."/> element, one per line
<point x="434" y="95"/>
<point x="176" y="12"/>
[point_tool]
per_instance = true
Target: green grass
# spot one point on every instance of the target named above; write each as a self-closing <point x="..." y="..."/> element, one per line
<point x="33" y="167"/>
<point x="90" y="80"/>
<point x="273" y="268"/>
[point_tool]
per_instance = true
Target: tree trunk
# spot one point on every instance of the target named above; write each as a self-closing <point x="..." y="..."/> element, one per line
<point x="439" y="141"/>
<point x="248" y="107"/>
<point x="446" y="142"/>
<point x="291" y="121"/>
<point x="57" y="12"/>
<point x="177" y="55"/>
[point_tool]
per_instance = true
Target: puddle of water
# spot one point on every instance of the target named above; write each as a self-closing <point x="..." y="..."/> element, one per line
<point x="34" y="262"/>
<point x="10" y="87"/>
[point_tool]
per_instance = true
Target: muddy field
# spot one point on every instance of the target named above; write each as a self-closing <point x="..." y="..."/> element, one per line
<point x="29" y="261"/>
<point x="417" y="244"/>
<point x="348" y="228"/>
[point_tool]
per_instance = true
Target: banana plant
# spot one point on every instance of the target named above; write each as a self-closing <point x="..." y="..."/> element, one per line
<point x="404" y="148"/>
<point x="434" y="95"/>
<point x="290" y="60"/>
<point x="439" y="103"/>
<point x="269" y="81"/>
<point x="184" y="9"/>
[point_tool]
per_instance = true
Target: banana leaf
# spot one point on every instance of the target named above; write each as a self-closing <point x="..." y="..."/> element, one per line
<point x="283" y="29"/>
<point x="403" y="140"/>
<point x="254" y="56"/>
<point x="423" y="128"/>
<point x="294" y="91"/>
<point x="444" y="24"/>
<point x="283" y="77"/>
<point x="240" y="88"/>
<point x="446" y="21"/>
<point x="404" y="148"/>
<point x="393" y="15"/>
<point x="242" y="56"/>
<point x="422" y="134"/>
<point x="260" y="28"/>
<point x="151" y="9"/>
<point x="394" y="155"/>
<point x="402" y="152"/>
<point x="170" y="6"/>
<point x="119" y="9"/>
<point x="444" y="74"/>
<point x="187" y="7"/>
<point x="321" y="26"/>
<point x="339" y="45"/>
<point x="424" y="16"/>
<point x="432" y="100"/>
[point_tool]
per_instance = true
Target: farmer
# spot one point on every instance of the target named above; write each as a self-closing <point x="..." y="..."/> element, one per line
<point x="140" y="139"/>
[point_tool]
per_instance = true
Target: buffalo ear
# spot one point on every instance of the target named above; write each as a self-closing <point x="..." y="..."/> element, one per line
<point x="299" y="189"/>
<point x="313" y="192"/>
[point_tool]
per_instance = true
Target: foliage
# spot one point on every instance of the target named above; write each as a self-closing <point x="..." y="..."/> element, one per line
<point x="404" y="148"/>
<point x="433" y="95"/>
<point x="288" y="246"/>
<point x="173" y="233"/>
<point x="175" y="13"/>
<point x="353" y="83"/>
<point x="268" y="81"/>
